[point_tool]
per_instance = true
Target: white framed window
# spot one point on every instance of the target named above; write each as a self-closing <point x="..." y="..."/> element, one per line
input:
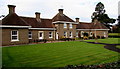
<point x="70" y="34"/>
<point x="91" y="34"/>
<point x="14" y="35"/>
<point x="30" y="35"/>
<point x="65" y="34"/>
<point x="70" y="25"/>
<point x="76" y="34"/>
<point x="82" y="33"/>
<point x="50" y="35"/>
<point x="40" y="35"/>
<point x="65" y="25"/>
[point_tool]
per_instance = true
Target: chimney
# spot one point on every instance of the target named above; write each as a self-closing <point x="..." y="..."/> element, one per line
<point x="60" y="11"/>
<point x="95" y="21"/>
<point x="77" y="19"/>
<point x="11" y="8"/>
<point x="38" y="16"/>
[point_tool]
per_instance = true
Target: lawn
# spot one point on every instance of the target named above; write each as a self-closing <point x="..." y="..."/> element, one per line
<point x="108" y="40"/>
<point x="115" y="34"/>
<point x="57" y="55"/>
<point x="118" y="46"/>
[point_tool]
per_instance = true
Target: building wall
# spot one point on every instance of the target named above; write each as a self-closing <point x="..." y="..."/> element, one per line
<point x="60" y="29"/>
<point x="22" y="36"/>
<point x="95" y="33"/>
<point x="35" y="34"/>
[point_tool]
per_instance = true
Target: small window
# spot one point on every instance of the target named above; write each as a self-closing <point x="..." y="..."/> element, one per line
<point x="14" y="35"/>
<point x="70" y="25"/>
<point x="30" y="35"/>
<point x="65" y="34"/>
<point x="50" y="35"/>
<point x="76" y="34"/>
<point x="70" y="34"/>
<point x="65" y="25"/>
<point x="41" y="34"/>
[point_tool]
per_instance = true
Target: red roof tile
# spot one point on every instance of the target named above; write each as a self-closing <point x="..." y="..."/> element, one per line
<point x="83" y="25"/>
<point x="98" y="25"/>
<point x="61" y="17"/>
<point x="13" y="19"/>
<point x="45" y="23"/>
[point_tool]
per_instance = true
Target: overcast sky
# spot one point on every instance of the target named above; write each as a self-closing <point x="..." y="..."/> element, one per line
<point x="82" y="9"/>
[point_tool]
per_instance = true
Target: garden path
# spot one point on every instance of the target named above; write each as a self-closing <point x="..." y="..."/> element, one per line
<point x="107" y="46"/>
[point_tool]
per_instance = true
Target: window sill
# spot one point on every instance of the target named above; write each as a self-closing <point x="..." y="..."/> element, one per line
<point x="14" y="40"/>
<point x="50" y="37"/>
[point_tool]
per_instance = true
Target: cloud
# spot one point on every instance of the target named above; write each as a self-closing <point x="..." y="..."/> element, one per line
<point x="49" y="8"/>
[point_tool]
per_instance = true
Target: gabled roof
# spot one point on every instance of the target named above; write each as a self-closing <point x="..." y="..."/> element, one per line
<point x="98" y="25"/>
<point x="83" y="25"/>
<point x="45" y="23"/>
<point x="14" y="20"/>
<point x="61" y="17"/>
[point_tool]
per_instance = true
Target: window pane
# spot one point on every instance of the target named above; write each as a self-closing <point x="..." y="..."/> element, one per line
<point x="65" y="25"/>
<point x="14" y="37"/>
<point x="70" y="25"/>
<point x="14" y="32"/>
<point x="30" y="32"/>
<point x="41" y="34"/>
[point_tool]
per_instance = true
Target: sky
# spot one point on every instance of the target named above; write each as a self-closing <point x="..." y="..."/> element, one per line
<point x="82" y="9"/>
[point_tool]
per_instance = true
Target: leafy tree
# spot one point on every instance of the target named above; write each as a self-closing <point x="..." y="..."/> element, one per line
<point x="101" y="16"/>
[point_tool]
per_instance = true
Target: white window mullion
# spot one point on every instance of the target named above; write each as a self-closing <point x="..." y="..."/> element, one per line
<point x="50" y="35"/>
<point x="65" y="25"/>
<point x="70" y="25"/>
<point x="30" y="35"/>
<point x="14" y="35"/>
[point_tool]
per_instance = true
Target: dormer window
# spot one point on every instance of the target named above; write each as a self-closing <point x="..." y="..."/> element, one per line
<point x="70" y="25"/>
<point x="65" y="25"/>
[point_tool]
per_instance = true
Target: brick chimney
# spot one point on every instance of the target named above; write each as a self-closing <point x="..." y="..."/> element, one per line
<point x="38" y="16"/>
<point x="60" y="11"/>
<point x="77" y="19"/>
<point x="11" y="8"/>
<point x="95" y="21"/>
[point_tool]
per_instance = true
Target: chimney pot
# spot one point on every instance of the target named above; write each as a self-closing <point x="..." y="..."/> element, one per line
<point x="60" y="11"/>
<point x="11" y="8"/>
<point x="77" y="19"/>
<point x="38" y="16"/>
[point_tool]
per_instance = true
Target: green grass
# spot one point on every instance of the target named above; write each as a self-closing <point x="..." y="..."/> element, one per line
<point x="115" y="34"/>
<point x="118" y="46"/>
<point x="108" y="40"/>
<point x="57" y="55"/>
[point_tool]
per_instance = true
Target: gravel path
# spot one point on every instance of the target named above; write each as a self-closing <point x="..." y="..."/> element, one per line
<point x="108" y="46"/>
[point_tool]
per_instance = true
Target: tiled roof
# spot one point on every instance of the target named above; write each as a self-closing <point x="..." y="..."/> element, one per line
<point x="98" y="25"/>
<point x="45" y="23"/>
<point x="83" y="25"/>
<point x="61" y="17"/>
<point x="14" y="20"/>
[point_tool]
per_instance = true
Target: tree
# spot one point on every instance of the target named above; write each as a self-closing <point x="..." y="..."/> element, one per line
<point x="100" y="15"/>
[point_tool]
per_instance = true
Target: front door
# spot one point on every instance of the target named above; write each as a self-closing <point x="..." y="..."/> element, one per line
<point x="40" y="35"/>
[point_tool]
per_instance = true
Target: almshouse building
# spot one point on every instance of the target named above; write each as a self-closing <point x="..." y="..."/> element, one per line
<point x="23" y="30"/>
